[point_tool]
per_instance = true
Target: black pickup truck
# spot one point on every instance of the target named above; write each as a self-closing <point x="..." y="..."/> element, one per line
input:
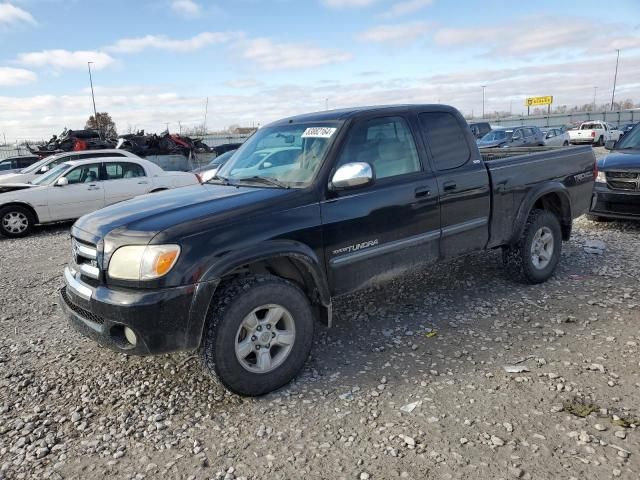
<point x="309" y="208"/>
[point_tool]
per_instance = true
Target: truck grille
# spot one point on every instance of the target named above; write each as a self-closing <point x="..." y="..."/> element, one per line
<point x="86" y="314"/>
<point x="628" y="181"/>
<point x="84" y="257"/>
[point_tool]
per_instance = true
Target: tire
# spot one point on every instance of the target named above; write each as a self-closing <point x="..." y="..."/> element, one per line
<point x="519" y="259"/>
<point x="565" y="144"/>
<point x="16" y="221"/>
<point x="226" y="332"/>
<point x="600" y="142"/>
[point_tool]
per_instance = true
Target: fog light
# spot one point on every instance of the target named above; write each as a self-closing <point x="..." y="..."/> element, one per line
<point x="130" y="336"/>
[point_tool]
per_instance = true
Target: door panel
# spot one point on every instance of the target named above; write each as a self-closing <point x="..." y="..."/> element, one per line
<point x="83" y="195"/>
<point x="463" y="182"/>
<point x="384" y="228"/>
<point x="124" y="180"/>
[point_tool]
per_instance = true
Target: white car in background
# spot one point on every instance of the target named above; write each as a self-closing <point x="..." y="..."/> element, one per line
<point x="555" y="137"/>
<point x="32" y="172"/>
<point x="75" y="188"/>
<point x="594" y="132"/>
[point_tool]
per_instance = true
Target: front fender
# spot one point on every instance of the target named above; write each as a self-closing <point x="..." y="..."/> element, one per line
<point x="270" y="249"/>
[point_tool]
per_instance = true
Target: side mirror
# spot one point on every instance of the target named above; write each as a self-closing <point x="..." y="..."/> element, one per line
<point x="609" y="144"/>
<point x="356" y="174"/>
<point x="62" y="182"/>
<point x="44" y="169"/>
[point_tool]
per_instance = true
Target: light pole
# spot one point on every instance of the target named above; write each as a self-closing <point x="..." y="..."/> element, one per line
<point x="483" y="87"/>
<point x="595" y="91"/>
<point x="615" y="79"/>
<point x="95" y="112"/>
<point x="326" y="104"/>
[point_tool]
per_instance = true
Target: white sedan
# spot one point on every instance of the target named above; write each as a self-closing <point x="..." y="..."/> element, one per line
<point x="75" y="188"/>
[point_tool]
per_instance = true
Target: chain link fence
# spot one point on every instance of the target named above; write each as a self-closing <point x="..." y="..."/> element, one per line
<point x="7" y="151"/>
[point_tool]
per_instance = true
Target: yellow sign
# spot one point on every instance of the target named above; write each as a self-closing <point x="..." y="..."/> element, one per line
<point x="537" y="101"/>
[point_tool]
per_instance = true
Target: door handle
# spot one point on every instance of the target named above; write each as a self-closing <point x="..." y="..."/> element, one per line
<point x="422" y="192"/>
<point x="93" y="187"/>
<point x="143" y="183"/>
<point x="449" y="186"/>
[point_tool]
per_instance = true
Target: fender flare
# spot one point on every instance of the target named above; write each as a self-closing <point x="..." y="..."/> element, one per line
<point x="211" y="278"/>
<point x="532" y="197"/>
<point x="292" y="249"/>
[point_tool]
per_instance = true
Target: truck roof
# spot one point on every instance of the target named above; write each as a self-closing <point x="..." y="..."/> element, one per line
<point x="350" y="113"/>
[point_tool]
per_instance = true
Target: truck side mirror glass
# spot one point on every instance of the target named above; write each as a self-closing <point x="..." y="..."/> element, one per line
<point x="356" y="174"/>
<point x="62" y="182"/>
<point x="609" y="144"/>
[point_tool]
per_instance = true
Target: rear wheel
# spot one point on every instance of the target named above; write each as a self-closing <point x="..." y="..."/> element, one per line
<point x="16" y="221"/>
<point x="565" y="144"/>
<point x="258" y="335"/>
<point x="534" y="258"/>
<point x="600" y="142"/>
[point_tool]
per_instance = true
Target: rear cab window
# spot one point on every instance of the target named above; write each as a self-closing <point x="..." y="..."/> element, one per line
<point x="445" y="139"/>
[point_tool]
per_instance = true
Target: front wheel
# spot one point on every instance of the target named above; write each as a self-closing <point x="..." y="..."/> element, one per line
<point x="258" y="335"/>
<point x="16" y="221"/>
<point x="534" y="258"/>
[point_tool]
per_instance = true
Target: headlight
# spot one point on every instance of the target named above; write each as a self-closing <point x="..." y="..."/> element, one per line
<point x="139" y="262"/>
<point x="601" y="177"/>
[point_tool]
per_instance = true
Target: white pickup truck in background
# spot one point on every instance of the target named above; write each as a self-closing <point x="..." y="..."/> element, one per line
<point x="594" y="132"/>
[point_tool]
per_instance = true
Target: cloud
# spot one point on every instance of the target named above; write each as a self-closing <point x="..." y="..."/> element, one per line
<point x="161" y="42"/>
<point x="519" y="39"/>
<point x="243" y="83"/>
<point x="340" y="4"/>
<point x="287" y="56"/>
<point x="393" y="34"/>
<point x="65" y="59"/>
<point x="10" y="14"/>
<point x="186" y="8"/>
<point x="16" y="76"/>
<point x="406" y="7"/>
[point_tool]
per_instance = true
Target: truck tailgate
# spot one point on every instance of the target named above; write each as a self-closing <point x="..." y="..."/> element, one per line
<point x="516" y="175"/>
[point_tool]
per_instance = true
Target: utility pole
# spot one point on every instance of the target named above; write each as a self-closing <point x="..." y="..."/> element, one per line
<point x="93" y="97"/>
<point x="483" y="87"/>
<point x="615" y="79"/>
<point x="595" y="91"/>
<point x="326" y="104"/>
<point x="206" y="111"/>
<point x="180" y="127"/>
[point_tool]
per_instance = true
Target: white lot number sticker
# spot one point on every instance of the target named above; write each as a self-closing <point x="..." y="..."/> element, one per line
<point x="318" y="132"/>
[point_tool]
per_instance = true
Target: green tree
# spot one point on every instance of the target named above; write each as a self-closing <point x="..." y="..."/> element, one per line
<point x="105" y="125"/>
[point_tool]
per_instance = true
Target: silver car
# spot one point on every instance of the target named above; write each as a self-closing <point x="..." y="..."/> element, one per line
<point x="15" y="164"/>
<point x="555" y="137"/>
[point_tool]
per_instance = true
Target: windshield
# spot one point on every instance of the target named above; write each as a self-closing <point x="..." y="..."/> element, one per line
<point x="36" y="166"/>
<point x="288" y="156"/>
<point x="220" y="159"/>
<point x="52" y="175"/>
<point x="631" y="140"/>
<point x="495" y="135"/>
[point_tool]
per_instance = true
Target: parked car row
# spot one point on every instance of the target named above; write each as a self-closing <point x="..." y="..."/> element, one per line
<point x="72" y="188"/>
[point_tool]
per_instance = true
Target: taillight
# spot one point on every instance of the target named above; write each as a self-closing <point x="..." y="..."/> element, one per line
<point x="593" y="133"/>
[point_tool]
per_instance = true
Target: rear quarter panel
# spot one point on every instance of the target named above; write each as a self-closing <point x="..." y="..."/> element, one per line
<point x="517" y="182"/>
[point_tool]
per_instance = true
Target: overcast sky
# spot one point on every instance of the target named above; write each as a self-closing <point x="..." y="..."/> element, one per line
<point x="156" y="61"/>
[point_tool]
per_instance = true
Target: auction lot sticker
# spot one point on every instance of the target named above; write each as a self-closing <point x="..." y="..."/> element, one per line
<point x="319" y="132"/>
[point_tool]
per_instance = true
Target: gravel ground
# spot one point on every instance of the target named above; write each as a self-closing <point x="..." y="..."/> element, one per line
<point x="410" y="383"/>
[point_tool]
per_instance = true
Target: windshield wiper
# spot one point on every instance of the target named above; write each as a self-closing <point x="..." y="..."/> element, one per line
<point x="263" y="180"/>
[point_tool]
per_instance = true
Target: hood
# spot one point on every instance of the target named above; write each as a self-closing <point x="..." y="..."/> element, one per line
<point x="12" y="187"/>
<point x="187" y="209"/>
<point x="9" y="177"/>
<point x="620" y="160"/>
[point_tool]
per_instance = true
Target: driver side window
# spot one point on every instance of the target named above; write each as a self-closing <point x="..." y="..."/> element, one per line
<point x="84" y="174"/>
<point x="384" y="143"/>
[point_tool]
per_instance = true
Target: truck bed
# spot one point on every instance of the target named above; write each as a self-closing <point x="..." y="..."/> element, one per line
<point x="515" y="173"/>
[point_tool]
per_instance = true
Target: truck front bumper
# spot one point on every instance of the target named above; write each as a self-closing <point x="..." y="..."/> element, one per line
<point x="615" y="203"/>
<point x="137" y="321"/>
